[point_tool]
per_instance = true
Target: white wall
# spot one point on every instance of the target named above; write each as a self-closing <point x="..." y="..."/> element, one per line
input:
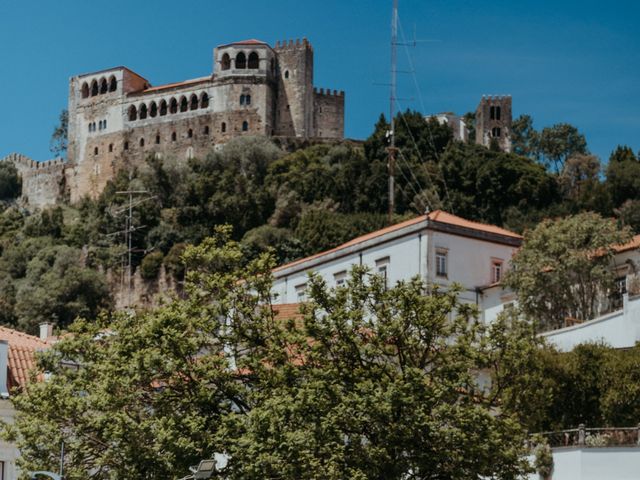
<point x="619" y="329"/>
<point x="595" y="464"/>
<point x="8" y="452"/>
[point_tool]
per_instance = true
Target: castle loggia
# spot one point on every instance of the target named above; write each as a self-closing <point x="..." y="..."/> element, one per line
<point x="117" y="118"/>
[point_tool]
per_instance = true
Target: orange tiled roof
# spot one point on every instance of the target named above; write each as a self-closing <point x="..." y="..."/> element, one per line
<point x="436" y="216"/>
<point x="630" y="245"/>
<point x="22" y="349"/>
<point x="251" y="41"/>
<point x="175" y="84"/>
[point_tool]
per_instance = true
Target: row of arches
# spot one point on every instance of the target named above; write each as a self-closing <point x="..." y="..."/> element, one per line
<point x="242" y="62"/>
<point x="172" y="106"/>
<point x="99" y="87"/>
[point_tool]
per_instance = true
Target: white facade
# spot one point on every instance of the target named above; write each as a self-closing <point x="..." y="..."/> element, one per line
<point x="439" y="248"/>
<point x="581" y="463"/>
<point x="456" y="122"/>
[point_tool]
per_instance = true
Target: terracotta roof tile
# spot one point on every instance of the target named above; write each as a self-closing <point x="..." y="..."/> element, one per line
<point x="630" y="245"/>
<point x="251" y="41"/>
<point x="22" y="350"/>
<point x="167" y="86"/>
<point x="436" y="216"/>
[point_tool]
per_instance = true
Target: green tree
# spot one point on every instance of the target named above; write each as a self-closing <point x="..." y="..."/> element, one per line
<point x="524" y="137"/>
<point x="10" y="182"/>
<point x="559" y="142"/>
<point x="60" y="135"/>
<point x="623" y="176"/>
<point x="564" y="268"/>
<point x="370" y="383"/>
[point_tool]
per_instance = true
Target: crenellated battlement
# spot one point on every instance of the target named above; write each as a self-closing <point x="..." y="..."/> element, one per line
<point x="495" y="98"/>
<point x="28" y="163"/>
<point x="293" y="44"/>
<point x="328" y="92"/>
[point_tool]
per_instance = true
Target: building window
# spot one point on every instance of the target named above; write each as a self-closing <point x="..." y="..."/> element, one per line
<point x="301" y="292"/>
<point x="153" y="110"/>
<point x="104" y="124"/>
<point x="223" y="127"/>
<point x="113" y="84"/>
<point x="340" y="278"/>
<point x="242" y="99"/>
<point x="163" y="108"/>
<point x="173" y="106"/>
<point x="382" y="269"/>
<point x="126" y="145"/>
<point x="245" y="126"/>
<point x="142" y="112"/>
<point x="206" y="130"/>
<point x="241" y="60"/>
<point x="142" y="142"/>
<point x="184" y="104"/>
<point x="254" y="61"/>
<point x="495" y="132"/>
<point x="204" y="100"/>
<point x="496" y="271"/>
<point x="157" y="139"/>
<point x="286" y="74"/>
<point x="190" y="133"/>
<point x="194" y="102"/>
<point x="247" y="99"/>
<point x="225" y="63"/>
<point x="441" y="263"/>
<point x="85" y="90"/>
<point x="189" y="153"/>
<point x="110" y="147"/>
<point x="94" y="88"/>
<point x="173" y="137"/>
<point x="95" y="151"/>
<point x="133" y="113"/>
<point x="104" y="88"/>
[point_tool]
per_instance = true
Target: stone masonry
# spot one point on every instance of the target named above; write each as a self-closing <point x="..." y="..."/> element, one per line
<point x="493" y="121"/>
<point x="117" y="118"/>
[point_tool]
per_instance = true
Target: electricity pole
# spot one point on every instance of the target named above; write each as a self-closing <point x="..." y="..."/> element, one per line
<point x="392" y="108"/>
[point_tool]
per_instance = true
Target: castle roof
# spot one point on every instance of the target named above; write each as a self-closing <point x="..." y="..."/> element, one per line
<point x="184" y="83"/>
<point x="251" y="41"/>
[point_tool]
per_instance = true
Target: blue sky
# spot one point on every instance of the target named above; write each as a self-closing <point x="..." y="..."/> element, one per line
<point x="563" y="60"/>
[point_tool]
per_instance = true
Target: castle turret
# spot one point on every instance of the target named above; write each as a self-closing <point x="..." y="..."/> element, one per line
<point x="493" y="121"/>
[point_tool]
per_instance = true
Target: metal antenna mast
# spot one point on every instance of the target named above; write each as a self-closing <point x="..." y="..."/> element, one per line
<point x="392" y="108"/>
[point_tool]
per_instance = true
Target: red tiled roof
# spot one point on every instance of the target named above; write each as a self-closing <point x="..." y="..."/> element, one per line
<point x="251" y="41"/>
<point x="630" y="245"/>
<point x="175" y="84"/>
<point x="22" y="349"/>
<point x="436" y="216"/>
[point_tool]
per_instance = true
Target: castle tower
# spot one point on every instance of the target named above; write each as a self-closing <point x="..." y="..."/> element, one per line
<point x="493" y="121"/>
<point x="294" y="106"/>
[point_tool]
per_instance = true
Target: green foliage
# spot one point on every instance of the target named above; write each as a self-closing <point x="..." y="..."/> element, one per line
<point x="559" y="142"/>
<point x="623" y="176"/>
<point x="173" y="261"/>
<point x="371" y="383"/>
<point x="281" y="242"/>
<point x="524" y="138"/>
<point x="629" y="214"/>
<point x="60" y="136"/>
<point x="543" y="461"/>
<point x="151" y="264"/>
<point x="10" y="182"/>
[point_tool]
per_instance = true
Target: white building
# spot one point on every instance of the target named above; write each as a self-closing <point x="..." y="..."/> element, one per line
<point x="456" y="122"/>
<point x="439" y="247"/>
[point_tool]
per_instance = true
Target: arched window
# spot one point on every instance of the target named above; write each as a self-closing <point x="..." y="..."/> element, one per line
<point x="126" y="146"/>
<point x="157" y="139"/>
<point x="495" y="132"/>
<point x="286" y="74"/>
<point x="226" y="62"/>
<point x="223" y="127"/>
<point x="184" y="104"/>
<point x="173" y="137"/>
<point x="104" y="88"/>
<point x="241" y="60"/>
<point x="85" y="90"/>
<point x="163" y="108"/>
<point x="206" y="130"/>
<point x="142" y="142"/>
<point x="142" y="112"/>
<point x="497" y="113"/>
<point x="153" y="110"/>
<point x="190" y="133"/>
<point x="245" y="126"/>
<point x="254" y="61"/>
<point x="173" y="106"/>
<point x="104" y="124"/>
<point x="113" y="84"/>
<point x="133" y="113"/>
<point x="204" y="100"/>
<point x="242" y="99"/>
<point x="110" y="147"/>
<point x="194" y="102"/>
<point x="95" y="151"/>
<point x="247" y="99"/>
<point x="94" y="88"/>
<point x="272" y="66"/>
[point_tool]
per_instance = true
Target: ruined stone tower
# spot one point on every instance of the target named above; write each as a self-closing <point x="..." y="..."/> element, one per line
<point x="493" y="121"/>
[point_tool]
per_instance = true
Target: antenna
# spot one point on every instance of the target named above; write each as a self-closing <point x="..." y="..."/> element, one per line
<point x="392" y="108"/>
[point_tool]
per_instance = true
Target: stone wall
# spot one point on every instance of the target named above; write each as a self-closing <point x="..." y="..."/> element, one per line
<point x="42" y="182"/>
<point x="328" y="108"/>
<point x="493" y="121"/>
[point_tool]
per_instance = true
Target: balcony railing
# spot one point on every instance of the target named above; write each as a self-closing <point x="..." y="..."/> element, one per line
<point x="594" y="437"/>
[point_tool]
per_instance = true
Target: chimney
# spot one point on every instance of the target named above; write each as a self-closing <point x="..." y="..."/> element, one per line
<point x="46" y="331"/>
<point x="4" y="368"/>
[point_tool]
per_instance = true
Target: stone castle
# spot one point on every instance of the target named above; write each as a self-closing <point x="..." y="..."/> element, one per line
<point x="117" y="118"/>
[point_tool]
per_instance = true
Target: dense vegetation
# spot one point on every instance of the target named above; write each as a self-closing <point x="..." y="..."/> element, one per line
<point x="296" y="203"/>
